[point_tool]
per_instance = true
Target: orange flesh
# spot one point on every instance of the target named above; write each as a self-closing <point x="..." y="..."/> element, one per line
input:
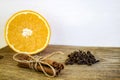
<point x="27" y="33"/>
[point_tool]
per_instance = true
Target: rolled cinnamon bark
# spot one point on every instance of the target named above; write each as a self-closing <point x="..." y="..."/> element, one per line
<point x="47" y="69"/>
<point x="55" y="64"/>
<point x="52" y="63"/>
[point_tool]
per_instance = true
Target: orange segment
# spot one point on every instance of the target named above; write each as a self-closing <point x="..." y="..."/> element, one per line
<point x="27" y="32"/>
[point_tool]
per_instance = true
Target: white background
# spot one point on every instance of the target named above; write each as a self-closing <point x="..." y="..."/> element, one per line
<point x="73" y="22"/>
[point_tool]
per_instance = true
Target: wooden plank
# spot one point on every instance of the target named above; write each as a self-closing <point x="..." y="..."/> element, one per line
<point x="107" y="69"/>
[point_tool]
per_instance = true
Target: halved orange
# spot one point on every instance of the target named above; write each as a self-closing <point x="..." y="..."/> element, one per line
<point x="27" y="32"/>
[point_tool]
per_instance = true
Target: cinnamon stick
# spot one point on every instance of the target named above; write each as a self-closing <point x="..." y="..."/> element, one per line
<point x="47" y="69"/>
<point x="52" y="63"/>
<point x="57" y="66"/>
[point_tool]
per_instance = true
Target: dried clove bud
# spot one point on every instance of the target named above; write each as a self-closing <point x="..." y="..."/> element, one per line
<point x="81" y="57"/>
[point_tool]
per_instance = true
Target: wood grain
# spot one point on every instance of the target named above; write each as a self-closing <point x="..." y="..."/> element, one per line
<point x="107" y="69"/>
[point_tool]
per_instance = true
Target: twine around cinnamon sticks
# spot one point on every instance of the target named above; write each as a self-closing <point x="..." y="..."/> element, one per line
<point x="48" y="67"/>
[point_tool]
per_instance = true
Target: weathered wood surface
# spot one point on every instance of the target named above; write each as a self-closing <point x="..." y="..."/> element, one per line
<point x="107" y="69"/>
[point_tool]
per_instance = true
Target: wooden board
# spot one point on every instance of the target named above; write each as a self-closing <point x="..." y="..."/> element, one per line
<point x="107" y="69"/>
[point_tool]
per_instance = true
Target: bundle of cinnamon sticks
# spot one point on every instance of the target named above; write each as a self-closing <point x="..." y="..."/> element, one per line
<point x="57" y="66"/>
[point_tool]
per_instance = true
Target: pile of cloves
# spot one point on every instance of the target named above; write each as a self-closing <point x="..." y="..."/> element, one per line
<point x="81" y="57"/>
